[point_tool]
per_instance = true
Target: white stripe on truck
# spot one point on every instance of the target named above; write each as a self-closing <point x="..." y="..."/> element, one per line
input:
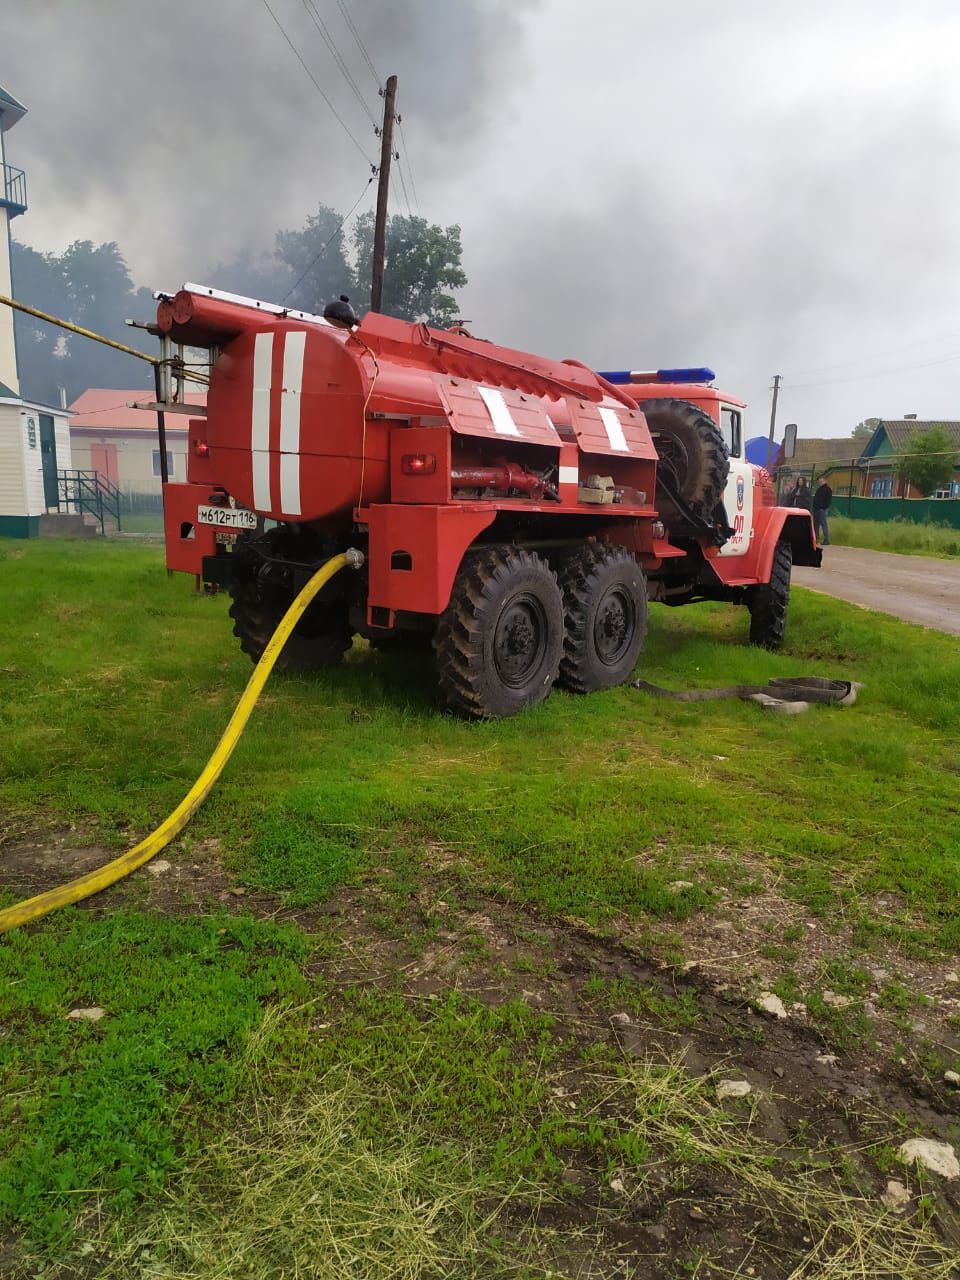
<point x="290" y="422"/>
<point x="260" y="420"/>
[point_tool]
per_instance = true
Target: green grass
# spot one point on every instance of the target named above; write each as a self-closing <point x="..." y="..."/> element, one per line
<point x="111" y="1108"/>
<point x="142" y="522"/>
<point x="232" y="1068"/>
<point x="895" y="535"/>
<point x="116" y="682"/>
<point x="302" y="1189"/>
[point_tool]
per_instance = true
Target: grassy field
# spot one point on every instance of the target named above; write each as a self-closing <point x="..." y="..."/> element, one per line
<point x="898" y="535"/>
<point x="142" y="522"/>
<point x="365" y="824"/>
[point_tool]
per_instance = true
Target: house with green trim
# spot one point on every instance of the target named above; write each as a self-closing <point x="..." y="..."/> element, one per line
<point x="882" y="455"/>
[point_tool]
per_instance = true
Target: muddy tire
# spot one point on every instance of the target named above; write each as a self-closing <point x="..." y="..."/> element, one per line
<point x="499" y="641"/>
<point x="321" y="637"/>
<point x="768" y="602"/>
<point x="605" y="617"/>
<point x="692" y="452"/>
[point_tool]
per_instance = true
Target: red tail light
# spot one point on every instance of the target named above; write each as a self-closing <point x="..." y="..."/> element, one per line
<point x="201" y="448"/>
<point x="418" y="464"/>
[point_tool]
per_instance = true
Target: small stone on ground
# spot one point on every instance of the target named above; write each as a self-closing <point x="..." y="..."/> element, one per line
<point x="938" y="1157"/>
<point x="87" y="1015"/>
<point x="733" y="1089"/>
<point x="158" y="867"/>
<point x="896" y="1196"/>
<point x="835" y="1001"/>
<point x="771" y="1003"/>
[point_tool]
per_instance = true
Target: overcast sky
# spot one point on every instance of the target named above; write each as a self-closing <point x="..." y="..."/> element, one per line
<point x="759" y="185"/>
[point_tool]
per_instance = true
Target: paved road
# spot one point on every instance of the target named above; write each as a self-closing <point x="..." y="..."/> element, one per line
<point x="915" y="588"/>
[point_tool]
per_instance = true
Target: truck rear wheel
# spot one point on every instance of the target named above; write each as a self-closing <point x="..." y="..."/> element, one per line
<point x="321" y="637"/>
<point x="692" y="452"/>
<point x="768" y="602"/>
<point x="499" y="641"/>
<point x="605" y="617"/>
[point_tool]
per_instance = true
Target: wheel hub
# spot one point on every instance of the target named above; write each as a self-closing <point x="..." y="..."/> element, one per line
<point x="519" y="640"/>
<point x="614" y="625"/>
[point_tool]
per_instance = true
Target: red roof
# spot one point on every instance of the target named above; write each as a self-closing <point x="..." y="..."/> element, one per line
<point x="105" y="409"/>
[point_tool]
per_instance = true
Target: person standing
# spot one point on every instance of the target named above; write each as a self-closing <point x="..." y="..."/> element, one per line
<point x="802" y="497"/>
<point x="789" y="490"/>
<point x="821" y="509"/>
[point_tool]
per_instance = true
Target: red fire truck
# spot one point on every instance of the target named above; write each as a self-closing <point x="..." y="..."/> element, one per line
<point x="515" y="512"/>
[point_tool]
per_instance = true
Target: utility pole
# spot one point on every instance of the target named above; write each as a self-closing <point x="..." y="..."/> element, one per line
<point x="383" y="191"/>
<point x="773" y="419"/>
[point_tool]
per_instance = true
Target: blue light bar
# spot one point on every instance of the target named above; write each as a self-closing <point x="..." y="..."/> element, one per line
<point x="660" y="375"/>
<point x="686" y="375"/>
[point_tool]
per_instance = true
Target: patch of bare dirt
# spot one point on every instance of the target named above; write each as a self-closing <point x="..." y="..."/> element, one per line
<point x="812" y="1089"/>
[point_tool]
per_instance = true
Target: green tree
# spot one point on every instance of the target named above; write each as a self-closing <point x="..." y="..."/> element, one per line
<point x="304" y="270"/>
<point x="929" y="461"/>
<point x="865" y="429"/>
<point x="89" y="285"/>
<point x="316" y="259"/>
<point x="423" y="263"/>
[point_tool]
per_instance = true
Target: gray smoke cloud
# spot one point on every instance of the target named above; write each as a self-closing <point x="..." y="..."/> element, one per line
<point x="762" y="186"/>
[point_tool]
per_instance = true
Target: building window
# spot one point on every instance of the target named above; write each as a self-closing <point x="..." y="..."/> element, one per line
<point x="156" y="462"/>
<point x="881" y="487"/>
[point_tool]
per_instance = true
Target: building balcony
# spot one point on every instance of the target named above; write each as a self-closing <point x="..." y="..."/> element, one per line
<point x="13" y="193"/>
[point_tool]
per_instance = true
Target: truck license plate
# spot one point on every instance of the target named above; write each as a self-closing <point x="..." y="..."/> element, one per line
<point x="227" y="517"/>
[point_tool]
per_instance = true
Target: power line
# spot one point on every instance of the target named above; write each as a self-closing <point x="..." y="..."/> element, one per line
<point x="328" y="39"/>
<point x="881" y="373"/>
<point x="406" y="156"/>
<point x="316" y="84"/>
<point x="346" y="217"/>
<point x="403" y="186"/>
<point x="877" y="355"/>
<point x="377" y="80"/>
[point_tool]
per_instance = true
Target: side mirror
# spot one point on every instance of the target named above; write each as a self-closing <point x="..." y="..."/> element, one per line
<point x="789" y="440"/>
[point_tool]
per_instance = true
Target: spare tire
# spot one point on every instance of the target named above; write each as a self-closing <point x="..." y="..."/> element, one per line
<point x="693" y="457"/>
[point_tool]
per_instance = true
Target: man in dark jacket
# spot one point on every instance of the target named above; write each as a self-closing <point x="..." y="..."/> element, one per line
<point x="802" y="496"/>
<point x="821" y="507"/>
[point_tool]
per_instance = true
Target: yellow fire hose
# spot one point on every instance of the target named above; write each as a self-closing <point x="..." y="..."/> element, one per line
<point x="86" y="885"/>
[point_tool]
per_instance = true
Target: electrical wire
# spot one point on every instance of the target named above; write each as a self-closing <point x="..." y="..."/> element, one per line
<point x="881" y="373"/>
<point x="377" y="80"/>
<point x="876" y="355"/>
<point x="373" y="382"/>
<point x="331" y="44"/>
<point x="393" y="186"/>
<point x="406" y="156"/>
<point x="343" y="221"/>
<point x="316" y="84"/>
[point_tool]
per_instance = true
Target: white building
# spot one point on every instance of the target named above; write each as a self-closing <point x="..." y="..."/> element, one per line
<point x="34" y="438"/>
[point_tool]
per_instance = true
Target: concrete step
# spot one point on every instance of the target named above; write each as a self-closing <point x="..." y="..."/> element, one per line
<point x="62" y="525"/>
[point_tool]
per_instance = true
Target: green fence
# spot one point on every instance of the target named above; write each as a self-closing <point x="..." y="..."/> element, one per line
<point x="943" y="511"/>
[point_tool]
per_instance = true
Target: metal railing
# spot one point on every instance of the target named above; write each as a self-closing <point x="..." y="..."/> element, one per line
<point x="88" y="493"/>
<point x="14" y="188"/>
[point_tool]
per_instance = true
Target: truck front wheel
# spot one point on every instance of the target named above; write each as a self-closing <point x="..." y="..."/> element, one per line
<point x="605" y="613"/>
<point x="768" y="602"/>
<point x="499" y="641"/>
